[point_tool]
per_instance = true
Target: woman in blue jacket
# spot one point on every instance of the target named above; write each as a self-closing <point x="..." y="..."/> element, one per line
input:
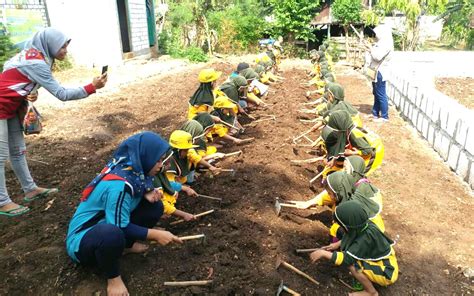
<point x="120" y="207"/>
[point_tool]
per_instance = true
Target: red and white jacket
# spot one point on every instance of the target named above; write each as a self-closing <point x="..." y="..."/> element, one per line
<point x="20" y="76"/>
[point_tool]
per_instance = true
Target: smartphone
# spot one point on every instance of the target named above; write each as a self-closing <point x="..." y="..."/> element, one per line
<point x="105" y="69"/>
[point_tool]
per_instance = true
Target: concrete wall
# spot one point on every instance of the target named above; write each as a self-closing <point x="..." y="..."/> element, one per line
<point x="94" y="28"/>
<point x="447" y="125"/>
<point x="138" y="26"/>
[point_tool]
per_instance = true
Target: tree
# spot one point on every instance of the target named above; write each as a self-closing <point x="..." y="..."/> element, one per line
<point x="458" y="27"/>
<point x="413" y="10"/>
<point x="293" y="17"/>
<point x="7" y="50"/>
<point x="347" y="12"/>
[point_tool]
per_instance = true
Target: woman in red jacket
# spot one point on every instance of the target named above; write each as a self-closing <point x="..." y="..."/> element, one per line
<point x="21" y="77"/>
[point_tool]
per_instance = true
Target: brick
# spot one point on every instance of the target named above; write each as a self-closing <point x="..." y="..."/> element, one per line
<point x="463" y="165"/>
<point x="441" y="144"/>
<point x="396" y="98"/>
<point x="453" y="157"/>
<point x="415" y="114"/>
<point x="462" y="129"/>
<point x="470" y="140"/>
<point x="431" y="134"/>
<point x="471" y="176"/>
<point x="424" y="127"/>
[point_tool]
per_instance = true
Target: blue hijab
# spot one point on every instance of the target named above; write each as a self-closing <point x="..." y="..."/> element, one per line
<point x="132" y="161"/>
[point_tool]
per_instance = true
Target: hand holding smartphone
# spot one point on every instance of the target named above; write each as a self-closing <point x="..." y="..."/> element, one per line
<point x="105" y="69"/>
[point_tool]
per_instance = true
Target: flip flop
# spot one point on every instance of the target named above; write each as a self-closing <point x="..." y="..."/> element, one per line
<point x="21" y="210"/>
<point x="41" y="195"/>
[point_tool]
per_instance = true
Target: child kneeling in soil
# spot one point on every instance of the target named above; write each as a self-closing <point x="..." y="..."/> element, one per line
<point x="119" y="207"/>
<point x="224" y="109"/>
<point x="367" y="252"/>
<point x="203" y="98"/>
<point x="181" y="170"/>
<point x="342" y="136"/>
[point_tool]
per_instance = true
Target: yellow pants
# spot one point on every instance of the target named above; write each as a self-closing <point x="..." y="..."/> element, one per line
<point x="383" y="272"/>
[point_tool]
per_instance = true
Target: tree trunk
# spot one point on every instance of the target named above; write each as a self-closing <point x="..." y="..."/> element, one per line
<point x="346" y="32"/>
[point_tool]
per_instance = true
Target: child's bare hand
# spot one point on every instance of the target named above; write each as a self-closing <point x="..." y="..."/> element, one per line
<point x="153" y="196"/>
<point x="215" y="170"/>
<point x="316" y="255"/>
<point x="190" y="192"/>
<point x="188" y="217"/>
<point x="332" y="247"/>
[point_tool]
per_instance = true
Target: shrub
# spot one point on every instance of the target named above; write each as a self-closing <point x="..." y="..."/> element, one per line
<point x="66" y="64"/>
<point x="194" y="54"/>
<point x="7" y="50"/>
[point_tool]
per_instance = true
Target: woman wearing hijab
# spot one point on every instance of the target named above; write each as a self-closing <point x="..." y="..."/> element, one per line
<point x="203" y="98"/>
<point x="378" y="58"/>
<point x="335" y="96"/>
<point x="22" y="76"/>
<point x="120" y="207"/>
<point x="342" y="137"/>
<point x="367" y="252"/>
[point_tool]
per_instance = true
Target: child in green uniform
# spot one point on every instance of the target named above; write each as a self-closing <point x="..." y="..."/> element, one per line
<point x="367" y="252"/>
<point x="203" y="98"/>
<point x="180" y="170"/>
<point x="342" y="136"/>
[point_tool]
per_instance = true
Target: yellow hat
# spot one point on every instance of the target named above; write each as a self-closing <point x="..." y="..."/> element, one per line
<point x="181" y="140"/>
<point x="223" y="102"/>
<point x="208" y="75"/>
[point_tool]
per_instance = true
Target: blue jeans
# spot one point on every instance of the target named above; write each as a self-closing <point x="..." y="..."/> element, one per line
<point x="103" y="244"/>
<point x="380" y="108"/>
<point x="12" y="145"/>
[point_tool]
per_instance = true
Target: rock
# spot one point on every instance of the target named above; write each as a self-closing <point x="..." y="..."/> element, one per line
<point x="469" y="272"/>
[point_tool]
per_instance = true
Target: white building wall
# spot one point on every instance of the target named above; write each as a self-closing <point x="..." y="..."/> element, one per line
<point x="93" y="27"/>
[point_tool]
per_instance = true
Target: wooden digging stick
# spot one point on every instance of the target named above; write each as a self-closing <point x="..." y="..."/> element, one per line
<point x="248" y="140"/>
<point x="299" y="251"/>
<point x="197" y="216"/>
<point x="310" y="160"/>
<point x="229" y="125"/>
<point x="233" y="153"/>
<point x="210" y="197"/>
<point x="296" y="270"/>
<point x="301" y="136"/>
<point x="188" y="283"/>
<point x="265" y="119"/>
<point x="191" y="237"/>
<point x="317" y="176"/>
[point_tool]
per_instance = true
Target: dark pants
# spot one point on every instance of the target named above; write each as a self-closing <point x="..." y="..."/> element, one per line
<point x="380" y="108"/>
<point x="103" y="244"/>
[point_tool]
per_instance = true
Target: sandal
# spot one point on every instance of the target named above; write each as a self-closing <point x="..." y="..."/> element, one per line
<point x="41" y="195"/>
<point x="19" y="211"/>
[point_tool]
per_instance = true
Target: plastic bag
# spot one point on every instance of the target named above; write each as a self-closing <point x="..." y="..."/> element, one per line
<point x="32" y="120"/>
